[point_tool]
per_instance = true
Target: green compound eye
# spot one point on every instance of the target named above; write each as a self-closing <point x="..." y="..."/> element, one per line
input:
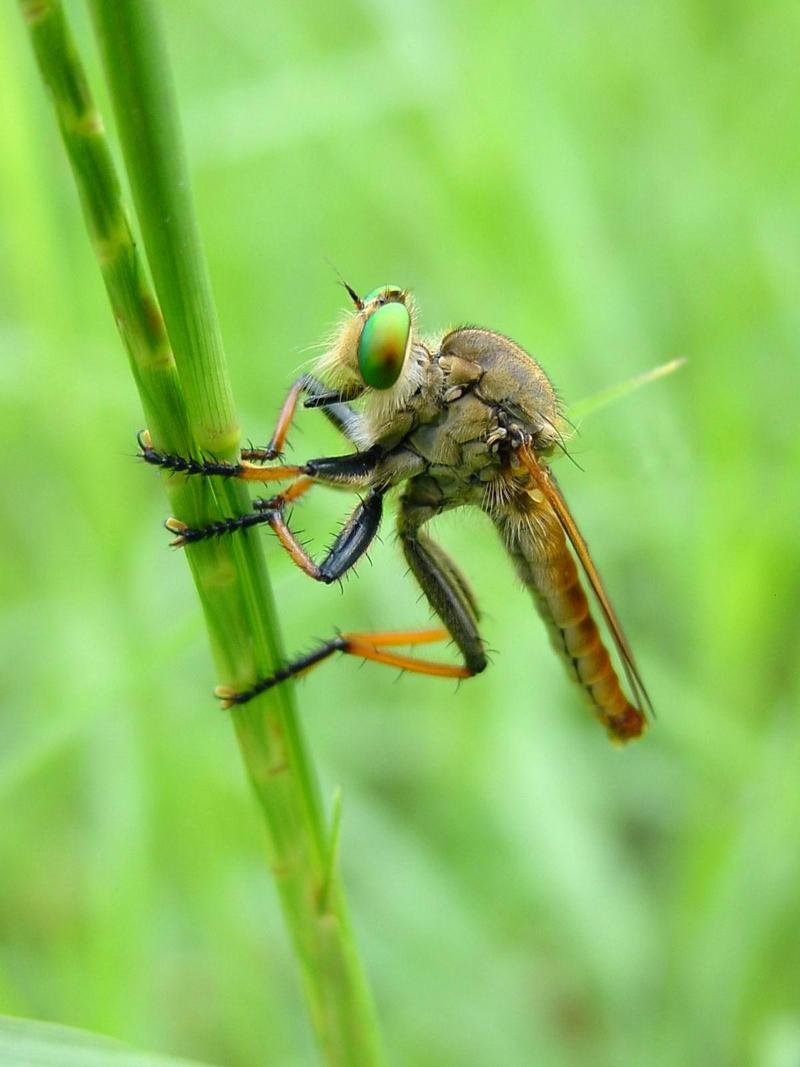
<point x="382" y="345"/>
<point x="383" y="290"/>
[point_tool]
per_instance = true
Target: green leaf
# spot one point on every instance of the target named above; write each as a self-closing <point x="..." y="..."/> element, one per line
<point x="29" y="1043"/>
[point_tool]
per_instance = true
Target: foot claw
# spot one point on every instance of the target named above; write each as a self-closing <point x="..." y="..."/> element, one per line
<point x="226" y="695"/>
<point x="179" y="528"/>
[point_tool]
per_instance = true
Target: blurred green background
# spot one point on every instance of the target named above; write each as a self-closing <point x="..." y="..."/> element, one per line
<point x="612" y="184"/>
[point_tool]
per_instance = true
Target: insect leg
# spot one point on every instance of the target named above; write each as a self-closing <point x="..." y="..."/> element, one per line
<point x="349" y="546"/>
<point x="441" y="581"/>
<point x="351" y="543"/>
<point x="192" y="465"/>
<point x="353" y="471"/>
<point x="334" y="406"/>
<point x="259" y="516"/>
<point x="365" y="646"/>
<point x="278" y="439"/>
<point x="444" y="586"/>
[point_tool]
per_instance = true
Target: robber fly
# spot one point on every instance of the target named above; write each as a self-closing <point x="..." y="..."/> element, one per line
<point x="468" y="418"/>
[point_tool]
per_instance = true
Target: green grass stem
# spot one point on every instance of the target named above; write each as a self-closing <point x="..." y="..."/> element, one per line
<point x="179" y="369"/>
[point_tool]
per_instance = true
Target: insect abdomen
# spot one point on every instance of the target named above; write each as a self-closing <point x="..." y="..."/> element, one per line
<point x="546" y="566"/>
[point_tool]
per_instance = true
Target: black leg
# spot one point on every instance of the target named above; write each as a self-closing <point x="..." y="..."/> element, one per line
<point x="370" y="646"/>
<point x="348" y="472"/>
<point x="443" y="584"/>
<point x="352" y="471"/>
<point x="334" y="406"/>
<point x="231" y="697"/>
<point x="194" y="465"/>
<point x="262" y="514"/>
<point x="441" y="581"/>
<point x="351" y="543"/>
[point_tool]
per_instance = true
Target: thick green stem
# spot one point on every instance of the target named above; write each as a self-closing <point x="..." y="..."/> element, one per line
<point x="188" y="407"/>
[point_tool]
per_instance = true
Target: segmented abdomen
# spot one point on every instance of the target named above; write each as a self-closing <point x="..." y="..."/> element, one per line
<point x="537" y="544"/>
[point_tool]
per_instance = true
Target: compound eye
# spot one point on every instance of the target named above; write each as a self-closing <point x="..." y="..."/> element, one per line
<point x="384" y="293"/>
<point x="382" y="345"/>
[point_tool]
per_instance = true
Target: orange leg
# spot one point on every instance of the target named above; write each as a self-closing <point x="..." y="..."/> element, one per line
<point x="189" y="465"/>
<point x="278" y="439"/>
<point x="333" y="403"/>
<point x="369" y="646"/>
<point x="350" y="545"/>
<point x="293" y="492"/>
<point x="251" y="473"/>
<point x="363" y="645"/>
<point x="265" y="512"/>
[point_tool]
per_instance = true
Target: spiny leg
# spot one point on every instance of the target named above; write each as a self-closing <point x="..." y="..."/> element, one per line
<point x="333" y="404"/>
<point x="371" y="646"/>
<point x="449" y="595"/>
<point x="353" y="540"/>
<point x="285" y="417"/>
<point x="263" y="514"/>
<point x="443" y="584"/>
<point x="441" y="581"/>
<point x="350" y="544"/>
<point x="193" y="465"/>
<point x="352" y="471"/>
